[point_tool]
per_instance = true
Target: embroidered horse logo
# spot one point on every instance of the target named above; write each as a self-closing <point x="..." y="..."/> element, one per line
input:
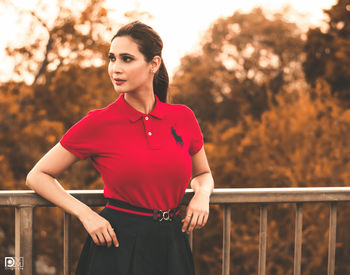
<point x="177" y="138"/>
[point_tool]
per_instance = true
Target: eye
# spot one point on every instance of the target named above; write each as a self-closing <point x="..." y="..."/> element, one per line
<point x="127" y="58"/>
<point x="111" y="57"/>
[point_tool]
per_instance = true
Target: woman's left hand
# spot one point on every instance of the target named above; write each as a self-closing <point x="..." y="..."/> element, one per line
<point x="197" y="212"/>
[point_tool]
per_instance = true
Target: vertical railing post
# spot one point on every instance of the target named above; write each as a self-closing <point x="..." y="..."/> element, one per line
<point x="67" y="244"/>
<point x="262" y="240"/>
<point x="332" y="237"/>
<point x="298" y="238"/>
<point x="190" y="239"/>
<point x="226" y="240"/>
<point x="24" y="238"/>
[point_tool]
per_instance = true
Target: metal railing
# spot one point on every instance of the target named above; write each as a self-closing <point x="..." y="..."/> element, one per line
<point x="25" y="201"/>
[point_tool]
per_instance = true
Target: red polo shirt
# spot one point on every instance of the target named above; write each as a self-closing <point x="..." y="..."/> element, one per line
<point x="144" y="159"/>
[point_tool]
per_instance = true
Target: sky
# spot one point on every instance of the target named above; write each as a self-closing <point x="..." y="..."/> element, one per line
<point x="180" y="23"/>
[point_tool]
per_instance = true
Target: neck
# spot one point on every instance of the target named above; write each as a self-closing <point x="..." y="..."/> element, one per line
<point x="143" y="102"/>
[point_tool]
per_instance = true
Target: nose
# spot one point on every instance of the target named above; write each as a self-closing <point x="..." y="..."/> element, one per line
<point x="116" y="66"/>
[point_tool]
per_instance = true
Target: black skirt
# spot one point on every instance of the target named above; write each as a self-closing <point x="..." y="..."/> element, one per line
<point x="146" y="247"/>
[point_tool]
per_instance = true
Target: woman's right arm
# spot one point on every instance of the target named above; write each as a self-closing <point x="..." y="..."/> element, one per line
<point x="42" y="179"/>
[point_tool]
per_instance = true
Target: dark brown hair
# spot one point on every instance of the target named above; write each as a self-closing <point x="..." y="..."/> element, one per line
<point x="150" y="44"/>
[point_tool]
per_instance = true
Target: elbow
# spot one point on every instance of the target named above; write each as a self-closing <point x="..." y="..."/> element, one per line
<point x="201" y="173"/>
<point x="30" y="179"/>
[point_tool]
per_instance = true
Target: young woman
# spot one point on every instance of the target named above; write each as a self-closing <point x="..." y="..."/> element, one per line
<point x="147" y="151"/>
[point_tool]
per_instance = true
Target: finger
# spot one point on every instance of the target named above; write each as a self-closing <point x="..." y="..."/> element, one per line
<point x="184" y="223"/>
<point x="202" y="220"/>
<point x="95" y="239"/>
<point x="205" y="219"/>
<point x="101" y="238"/>
<point x="199" y="222"/>
<point x="187" y="221"/>
<point x="113" y="236"/>
<point x="193" y="222"/>
<point x="107" y="237"/>
<point x="188" y="213"/>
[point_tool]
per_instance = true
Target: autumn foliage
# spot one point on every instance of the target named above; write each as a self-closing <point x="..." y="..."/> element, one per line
<point x="273" y="108"/>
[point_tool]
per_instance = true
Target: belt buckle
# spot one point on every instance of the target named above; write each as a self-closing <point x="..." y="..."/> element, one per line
<point x="165" y="215"/>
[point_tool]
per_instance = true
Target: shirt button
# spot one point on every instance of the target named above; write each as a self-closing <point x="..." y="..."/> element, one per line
<point x="149" y="133"/>
<point x="146" y="117"/>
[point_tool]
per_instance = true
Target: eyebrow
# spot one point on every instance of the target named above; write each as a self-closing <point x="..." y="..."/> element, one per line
<point x="122" y="54"/>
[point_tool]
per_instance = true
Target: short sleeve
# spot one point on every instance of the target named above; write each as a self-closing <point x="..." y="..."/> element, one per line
<point x="81" y="139"/>
<point x="195" y="133"/>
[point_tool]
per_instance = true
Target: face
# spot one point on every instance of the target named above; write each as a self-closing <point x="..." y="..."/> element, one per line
<point x="128" y="69"/>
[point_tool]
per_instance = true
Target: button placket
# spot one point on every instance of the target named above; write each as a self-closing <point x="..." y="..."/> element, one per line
<point x="149" y="132"/>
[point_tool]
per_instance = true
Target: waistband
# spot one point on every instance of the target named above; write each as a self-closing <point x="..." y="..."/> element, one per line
<point x="157" y="215"/>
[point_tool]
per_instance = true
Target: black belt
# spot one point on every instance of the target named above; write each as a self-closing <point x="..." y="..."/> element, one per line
<point x="158" y="215"/>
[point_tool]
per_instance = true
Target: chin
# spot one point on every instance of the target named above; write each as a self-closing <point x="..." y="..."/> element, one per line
<point x="118" y="90"/>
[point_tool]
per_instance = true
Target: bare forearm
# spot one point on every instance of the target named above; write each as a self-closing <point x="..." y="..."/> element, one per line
<point x="203" y="184"/>
<point x="50" y="189"/>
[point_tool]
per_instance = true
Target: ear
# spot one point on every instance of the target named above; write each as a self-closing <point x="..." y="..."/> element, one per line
<point x="155" y="64"/>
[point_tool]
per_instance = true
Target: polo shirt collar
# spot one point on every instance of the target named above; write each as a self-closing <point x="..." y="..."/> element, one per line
<point x="133" y="115"/>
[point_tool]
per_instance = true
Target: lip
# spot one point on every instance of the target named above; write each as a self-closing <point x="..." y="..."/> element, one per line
<point x="119" y="81"/>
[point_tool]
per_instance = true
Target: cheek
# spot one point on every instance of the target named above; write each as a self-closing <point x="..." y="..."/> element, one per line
<point x="137" y="70"/>
<point x="110" y="70"/>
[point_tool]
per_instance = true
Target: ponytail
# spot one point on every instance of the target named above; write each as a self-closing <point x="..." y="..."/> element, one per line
<point x="161" y="83"/>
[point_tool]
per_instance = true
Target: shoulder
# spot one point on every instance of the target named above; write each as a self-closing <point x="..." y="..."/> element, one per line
<point x="98" y="114"/>
<point x="179" y="109"/>
<point x="95" y="113"/>
<point x="92" y="119"/>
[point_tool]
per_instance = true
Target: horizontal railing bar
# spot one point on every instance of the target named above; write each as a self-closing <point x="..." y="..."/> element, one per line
<point x="220" y="195"/>
<point x="30" y="197"/>
<point x="280" y="195"/>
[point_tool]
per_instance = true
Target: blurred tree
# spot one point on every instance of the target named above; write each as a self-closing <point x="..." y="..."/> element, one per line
<point x="69" y="80"/>
<point x="69" y="74"/>
<point x="328" y="53"/>
<point x="71" y="39"/>
<point x="300" y="142"/>
<point x="226" y="79"/>
<point x="265" y="127"/>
